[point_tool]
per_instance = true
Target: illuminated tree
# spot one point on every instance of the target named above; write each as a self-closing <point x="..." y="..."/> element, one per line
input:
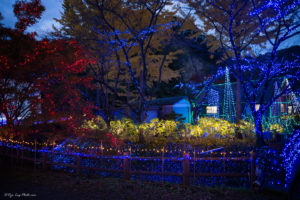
<point x="239" y="27"/>
<point x="40" y="80"/>
<point x="133" y="38"/>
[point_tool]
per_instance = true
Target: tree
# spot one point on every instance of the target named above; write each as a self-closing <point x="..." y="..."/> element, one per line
<point x="233" y="30"/>
<point x="239" y="27"/>
<point x="133" y="38"/>
<point x="40" y="80"/>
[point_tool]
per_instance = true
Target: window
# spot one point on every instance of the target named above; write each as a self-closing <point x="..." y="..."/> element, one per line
<point x="257" y="107"/>
<point x="211" y="109"/>
<point x="290" y="109"/>
<point x="282" y="108"/>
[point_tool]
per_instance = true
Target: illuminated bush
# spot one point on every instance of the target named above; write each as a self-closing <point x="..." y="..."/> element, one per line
<point x="124" y="129"/>
<point x="96" y="123"/>
<point x="159" y="132"/>
<point x="159" y="127"/>
<point x="93" y="128"/>
<point x="207" y="132"/>
<point x="276" y="128"/>
<point x="212" y="127"/>
<point x="246" y="128"/>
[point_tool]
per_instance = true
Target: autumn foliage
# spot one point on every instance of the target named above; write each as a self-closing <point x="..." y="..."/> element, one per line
<point x="41" y="81"/>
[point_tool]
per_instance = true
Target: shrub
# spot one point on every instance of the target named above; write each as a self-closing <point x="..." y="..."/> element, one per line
<point x="124" y="129"/>
<point x="207" y="132"/>
<point x="159" y="132"/>
<point x="93" y="128"/>
<point x="246" y="128"/>
<point x="276" y="128"/>
<point x="211" y="127"/>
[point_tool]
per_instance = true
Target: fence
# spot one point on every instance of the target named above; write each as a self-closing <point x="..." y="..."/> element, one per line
<point x="41" y="157"/>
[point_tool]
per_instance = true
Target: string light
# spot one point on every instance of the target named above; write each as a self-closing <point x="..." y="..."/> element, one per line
<point x="290" y="155"/>
<point x="229" y="104"/>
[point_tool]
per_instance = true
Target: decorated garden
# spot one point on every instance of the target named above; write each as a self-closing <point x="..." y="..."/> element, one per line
<point x="187" y="94"/>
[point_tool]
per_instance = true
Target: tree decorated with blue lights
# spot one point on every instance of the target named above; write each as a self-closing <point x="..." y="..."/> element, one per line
<point x="291" y="157"/>
<point x="133" y="38"/>
<point x="276" y="106"/>
<point x="228" y="105"/>
<point x="239" y="28"/>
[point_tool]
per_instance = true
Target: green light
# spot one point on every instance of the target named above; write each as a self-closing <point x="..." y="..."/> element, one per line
<point x="229" y="104"/>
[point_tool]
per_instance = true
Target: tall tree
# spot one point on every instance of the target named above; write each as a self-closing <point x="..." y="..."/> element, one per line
<point x="232" y="29"/>
<point x="134" y="36"/>
<point x="39" y="79"/>
<point x="239" y="27"/>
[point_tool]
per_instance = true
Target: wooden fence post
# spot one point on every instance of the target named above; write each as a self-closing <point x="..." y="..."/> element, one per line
<point x="35" y="154"/>
<point x="78" y="164"/>
<point x="22" y="155"/>
<point x="224" y="161"/>
<point x="18" y="155"/>
<point x="253" y="167"/>
<point x="126" y="166"/>
<point x="45" y="158"/>
<point x="186" y="169"/>
<point x="162" y="164"/>
<point x="194" y="154"/>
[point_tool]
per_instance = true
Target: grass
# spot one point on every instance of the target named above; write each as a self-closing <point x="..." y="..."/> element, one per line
<point x="59" y="185"/>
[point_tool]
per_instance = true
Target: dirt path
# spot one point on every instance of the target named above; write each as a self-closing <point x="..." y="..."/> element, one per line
<point x="36" y="184"/>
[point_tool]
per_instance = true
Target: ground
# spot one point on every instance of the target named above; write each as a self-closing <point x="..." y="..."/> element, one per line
<point x="59" y="185"/>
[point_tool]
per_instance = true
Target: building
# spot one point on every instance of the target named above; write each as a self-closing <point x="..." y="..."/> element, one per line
<point x="163" y="108"/>
<point x="219" y="101"/>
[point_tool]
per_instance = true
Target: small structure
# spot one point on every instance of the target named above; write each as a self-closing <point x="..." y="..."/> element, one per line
<point x="178" y="108"/>
<point x="162" y="107"/>
<point x="224" y="106"/>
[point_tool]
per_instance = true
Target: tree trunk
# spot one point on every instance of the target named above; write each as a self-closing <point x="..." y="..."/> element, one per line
<point x="238" y="107"/>
<point x="259" y="130"/>
<point x="142" y="109"/>
<point x="98" y="97"/>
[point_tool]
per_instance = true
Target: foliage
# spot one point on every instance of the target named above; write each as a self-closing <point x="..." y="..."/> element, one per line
<point x="93" y="127"/>
<point x="130" y="40"/>
<point x="237" y="26"/>
<point x="211" y="126"/>
<point x="246" y="128"/>
<point x="97" y="123"/>
<point x="40" y="81"/>
<point x="159" y="131"/>
<point x="208" y="132"/>
<point x="276" y="128"/>
<point x="27" y="13"/>
<point x="124" y="129"/>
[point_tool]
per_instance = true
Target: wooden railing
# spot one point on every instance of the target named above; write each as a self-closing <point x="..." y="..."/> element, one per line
<point x="18" y="155"/>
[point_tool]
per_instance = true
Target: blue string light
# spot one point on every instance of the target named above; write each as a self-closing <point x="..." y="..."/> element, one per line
<point x="172" y="163"/>
<point x="290" y="155"/>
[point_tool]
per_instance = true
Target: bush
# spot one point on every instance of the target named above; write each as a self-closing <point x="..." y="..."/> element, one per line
<point x="93" y="128"/>
<point x="246" y="128"/>
<point x="207" y="132"/>
<point x="211" y="127"/>
<point x="125" y="129"/>
<point x="159" y="132"/>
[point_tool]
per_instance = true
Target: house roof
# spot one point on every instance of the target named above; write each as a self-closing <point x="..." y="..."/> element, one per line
<point x="167" y="100"/>
<point x="221" y="88"/>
